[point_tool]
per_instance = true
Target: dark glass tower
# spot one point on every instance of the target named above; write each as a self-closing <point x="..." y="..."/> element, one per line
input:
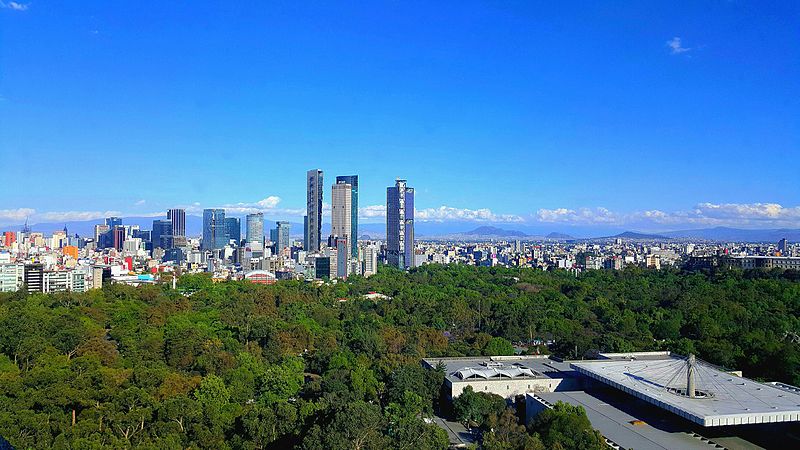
<point x="233" y="229"/>
<point x="400" y="225"/>
<point x="314" y="189"/>
<point x="214" y="236"/>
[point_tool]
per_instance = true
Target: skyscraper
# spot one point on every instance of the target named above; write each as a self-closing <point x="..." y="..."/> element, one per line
<point x="281" y="236"/>
<point x="341" y="214"/>
<point x="400" y="225"/>
<point x="305" y="233"/>
<point x="118" y="236"/>
<point x="161" y="235"/>
<point x="314" y="185"/>
<point x="352" y="180"/>
<point x="233" y="229"/>
<point x="213" y="229"/>
<point x="178" y="218"/>
<point x="255" y="228"/>
<point x="112" y="222"/>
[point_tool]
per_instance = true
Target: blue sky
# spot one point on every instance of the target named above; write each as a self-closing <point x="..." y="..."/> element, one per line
<point x="641" y="115"/>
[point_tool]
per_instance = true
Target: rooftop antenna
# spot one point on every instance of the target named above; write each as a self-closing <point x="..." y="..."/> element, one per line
<point x="690" y="369"/>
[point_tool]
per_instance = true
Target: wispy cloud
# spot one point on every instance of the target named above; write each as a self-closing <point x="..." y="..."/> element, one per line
<point x="746" y="215"/>
<point x="448" y="213"/>
<point x="69" y="216"/>
<point x="676" y="46"/>
<point x="580" y="216"/>
<point x="140" y="202"/>
<point x="15" y="6"/>
<point x="16" y="215"/>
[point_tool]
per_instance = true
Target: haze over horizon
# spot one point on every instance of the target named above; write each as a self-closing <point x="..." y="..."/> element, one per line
<point x="593" y="117"/>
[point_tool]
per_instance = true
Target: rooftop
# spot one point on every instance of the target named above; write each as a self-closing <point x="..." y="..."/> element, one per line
<point x="639" y="426"/>
<point x="501" y="367"/>
<point x="723" y="398"/>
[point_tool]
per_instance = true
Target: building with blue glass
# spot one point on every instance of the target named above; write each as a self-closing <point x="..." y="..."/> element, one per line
<point x="400" y="225"/>
<point x="214" y="235"/>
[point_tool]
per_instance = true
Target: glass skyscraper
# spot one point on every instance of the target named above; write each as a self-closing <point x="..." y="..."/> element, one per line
<point x="281" y="236"/>
<point x="400" y="225"/>
<point x="233" y="229"/>
<point x="178" y="218"/>
<point x="214" y="236"/>
<point x="161" y="235"/>
<point x="352" y="180"/>
<point x="314" y="189"/>
<point x="255" y="228"/>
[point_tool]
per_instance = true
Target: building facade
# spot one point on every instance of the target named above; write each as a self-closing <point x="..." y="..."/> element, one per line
<point x="314" y="189"/>
<point x="255" y="228"/>
<point x="233" y="229"/>
<point x="214" y="236"/>
<point x="400" y="225"/>
<point x="178" y="218"/>
<point x="161" y="235"/>
<point x="352" y="180"/>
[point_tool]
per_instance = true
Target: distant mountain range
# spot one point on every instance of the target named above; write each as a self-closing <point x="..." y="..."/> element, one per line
<point x="737" y="234"/>
<point x="449" y="230"/>
<point x="487" y="231"/>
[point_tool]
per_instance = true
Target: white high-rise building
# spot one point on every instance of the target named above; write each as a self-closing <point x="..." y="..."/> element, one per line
<point x="341" y="212"/>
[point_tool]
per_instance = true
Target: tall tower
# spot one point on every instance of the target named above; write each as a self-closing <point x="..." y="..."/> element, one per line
<point x="281" y="236"/>
<point x="178" y="218"/>
<point x="255" y="228"/>
<point x="400" y="225"/>
<point x="233" y="229"/>
<point x="314" y="188"/>
<point x="352" y="180"/>
<point x="214" y="236"/>
<point x="341" y="215"/>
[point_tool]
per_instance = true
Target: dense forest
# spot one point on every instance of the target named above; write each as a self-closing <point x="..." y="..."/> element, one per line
<point x="246" y="366"/>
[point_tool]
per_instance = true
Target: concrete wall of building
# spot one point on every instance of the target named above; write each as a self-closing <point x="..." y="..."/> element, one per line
<point x="509" y="388"/>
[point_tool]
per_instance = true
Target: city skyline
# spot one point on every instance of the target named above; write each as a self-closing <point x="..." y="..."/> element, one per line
<point x="658" y="117"/>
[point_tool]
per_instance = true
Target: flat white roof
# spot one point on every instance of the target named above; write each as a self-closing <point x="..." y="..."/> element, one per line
<point x="730" y="400"/>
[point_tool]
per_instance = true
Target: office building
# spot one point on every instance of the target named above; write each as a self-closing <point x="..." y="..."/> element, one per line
<point x="352" y="180"/>
<point x="400" y="225"/>
<point x="255" y="228"/>
<point x="314" y="188"/>
<point x="342" y="213"/>
<point x="233" y="227"/>
<point x="214" y="236"/>
<point x="305" y="233"/>
<point x="112" y="222"/>
<point x="281" y="237"/>
<point x="34" y="277"/>
<point x="99" y="233"/>
<point x="161" y="235"/>
<point x="12" y="276"/>
<point x="118" y="236"/>
<point x="783" y="247"/>
<point x="178" y="218"/>
<point x="370" y="259"/>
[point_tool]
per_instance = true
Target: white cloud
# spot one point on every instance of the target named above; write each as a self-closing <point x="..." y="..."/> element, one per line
<point x="704" y="214"/>
<point x="16" y="215"/>
<point x="372" y="212"/>
<point x="676" y="47"/>
<point x="581" y="216"/>
<point x="68" y="216"/>
<point x="14" y="6"/>
<point x="140" y="202"/>
<point x="444" y="213"/>
<point x="269" y="202"/>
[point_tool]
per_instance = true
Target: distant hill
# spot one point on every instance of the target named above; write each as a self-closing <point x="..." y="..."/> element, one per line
<point x="560" y="236"/>
<point x="634" y="235"/>
<point x="489" y="231"/>
<point x="738" y="234"/>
